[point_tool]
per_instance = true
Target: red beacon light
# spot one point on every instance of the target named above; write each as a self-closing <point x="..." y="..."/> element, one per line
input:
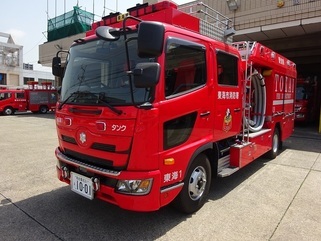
<point x="138" y="11"/>
<point x="143" y="9"/>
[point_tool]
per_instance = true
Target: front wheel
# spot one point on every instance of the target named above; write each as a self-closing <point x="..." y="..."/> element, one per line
<point x="196" y="186"/>
<point x="8" y="111"/>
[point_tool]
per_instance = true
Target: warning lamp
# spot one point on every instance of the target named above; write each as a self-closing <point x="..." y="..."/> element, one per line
<point x="138" y="11"/>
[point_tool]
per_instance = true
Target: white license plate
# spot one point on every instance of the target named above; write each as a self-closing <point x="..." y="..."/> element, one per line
<point x="82" y="185"/>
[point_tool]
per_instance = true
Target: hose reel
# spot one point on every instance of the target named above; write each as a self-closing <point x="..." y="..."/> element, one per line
<point x="257" y="112"/>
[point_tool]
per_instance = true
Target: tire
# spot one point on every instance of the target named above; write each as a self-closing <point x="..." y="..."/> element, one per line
<point x="43" y="109"/>
<point x="8" y="111"/>
<point x="196" y="186"/>
<point x="275" y="144"/>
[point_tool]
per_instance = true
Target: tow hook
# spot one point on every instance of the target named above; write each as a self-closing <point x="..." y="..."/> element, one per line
<point x="65" y="172"/>
<point x="96" y="183"/>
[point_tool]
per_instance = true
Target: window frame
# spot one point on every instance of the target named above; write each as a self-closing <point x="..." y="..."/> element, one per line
<point x="226" y="64"/>
<point x="200" y="66"/>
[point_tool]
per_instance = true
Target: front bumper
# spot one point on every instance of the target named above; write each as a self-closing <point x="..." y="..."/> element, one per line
<point x="108" y="179"/>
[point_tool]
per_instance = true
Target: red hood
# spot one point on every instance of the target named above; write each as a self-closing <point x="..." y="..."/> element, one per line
<point x="103" y="139"/>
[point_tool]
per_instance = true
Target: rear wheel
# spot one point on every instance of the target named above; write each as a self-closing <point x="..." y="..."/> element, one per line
<point x="275" y="144"/>
<point x="196" y="186"/>
<point x="8" y="111"/>
<point x="43" y="109"/>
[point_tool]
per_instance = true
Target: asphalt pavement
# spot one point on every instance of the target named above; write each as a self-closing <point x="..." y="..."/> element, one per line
<point x="267" y="200"/>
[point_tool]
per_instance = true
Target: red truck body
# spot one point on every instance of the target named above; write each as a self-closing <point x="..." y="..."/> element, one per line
<point x="191" y="109"/>
<point x="36" y="98"/>
<point x="306" y="100"/>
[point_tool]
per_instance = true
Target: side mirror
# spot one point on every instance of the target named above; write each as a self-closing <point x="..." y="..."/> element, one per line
<point x="146" y="75"/>
<point x="56" y="67"/>
<point x="150" y="39"/>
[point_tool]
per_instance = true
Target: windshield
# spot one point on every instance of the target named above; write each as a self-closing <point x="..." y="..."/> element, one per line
<point x="303" y="93"/>
<point x="97" y="73"/>
<point x="4" y="95"/>
<point x="300" y="93"/>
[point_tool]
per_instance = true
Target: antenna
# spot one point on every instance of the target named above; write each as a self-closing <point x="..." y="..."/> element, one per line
<point x="47" y="10"/>
<point x="93" y="9"/>
<point x="104" y="7"/>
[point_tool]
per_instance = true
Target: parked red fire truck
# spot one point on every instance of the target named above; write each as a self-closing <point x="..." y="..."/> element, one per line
<point x="152" y="108"/>
<point x="306" y="100"/>
<point x="36" y="98"/>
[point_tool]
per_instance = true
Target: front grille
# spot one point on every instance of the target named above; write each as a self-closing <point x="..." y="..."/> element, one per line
<point x="68" y="139"/>
<point x="103" y="147"/>
<point x="95" y="161"/>
<point x="95" y="145"/>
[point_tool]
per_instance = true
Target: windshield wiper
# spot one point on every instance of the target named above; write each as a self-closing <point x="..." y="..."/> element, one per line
<point x="100" y="97"/>
<point x="73" y="94"/>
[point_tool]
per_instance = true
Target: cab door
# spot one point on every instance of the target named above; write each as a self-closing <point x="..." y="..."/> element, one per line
<point x="185" y="117"/>
<point x="20" y="100"/>
<point x="228" y="99"/>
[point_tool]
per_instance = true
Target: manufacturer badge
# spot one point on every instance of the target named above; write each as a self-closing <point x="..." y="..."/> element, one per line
<point x="82" y="137"/>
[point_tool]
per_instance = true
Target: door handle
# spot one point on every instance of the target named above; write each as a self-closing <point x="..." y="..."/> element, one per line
<point x="207" y="113"/>
<point x="237" y="110"/>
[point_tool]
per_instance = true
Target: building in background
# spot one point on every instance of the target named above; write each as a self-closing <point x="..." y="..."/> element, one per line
<point x="13" y="72"/>
<point x="62" y="31"/>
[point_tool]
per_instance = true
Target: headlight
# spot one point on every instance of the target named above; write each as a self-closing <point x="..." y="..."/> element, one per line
<point x="134" y="187"/>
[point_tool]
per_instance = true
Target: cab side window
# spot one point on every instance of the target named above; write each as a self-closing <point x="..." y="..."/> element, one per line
<point x="20" y="95"/>
<point x="226" y="69"/>
<point x="185" y="67"/>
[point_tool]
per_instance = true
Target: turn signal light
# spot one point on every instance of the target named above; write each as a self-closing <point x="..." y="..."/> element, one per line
<point x="169" y="161"/>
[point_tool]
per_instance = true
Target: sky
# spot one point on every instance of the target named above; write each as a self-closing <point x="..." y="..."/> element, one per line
<point x="26" y="21"/>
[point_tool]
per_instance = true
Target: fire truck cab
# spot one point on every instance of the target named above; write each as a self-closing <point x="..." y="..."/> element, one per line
<point x="306" y="100"/>
<point x="157" y="102"/>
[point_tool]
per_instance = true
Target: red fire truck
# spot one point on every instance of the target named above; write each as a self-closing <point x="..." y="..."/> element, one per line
<point x="36" y="98"/>
<point x="152" y="108"/>
<point x="306" y="100"/>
